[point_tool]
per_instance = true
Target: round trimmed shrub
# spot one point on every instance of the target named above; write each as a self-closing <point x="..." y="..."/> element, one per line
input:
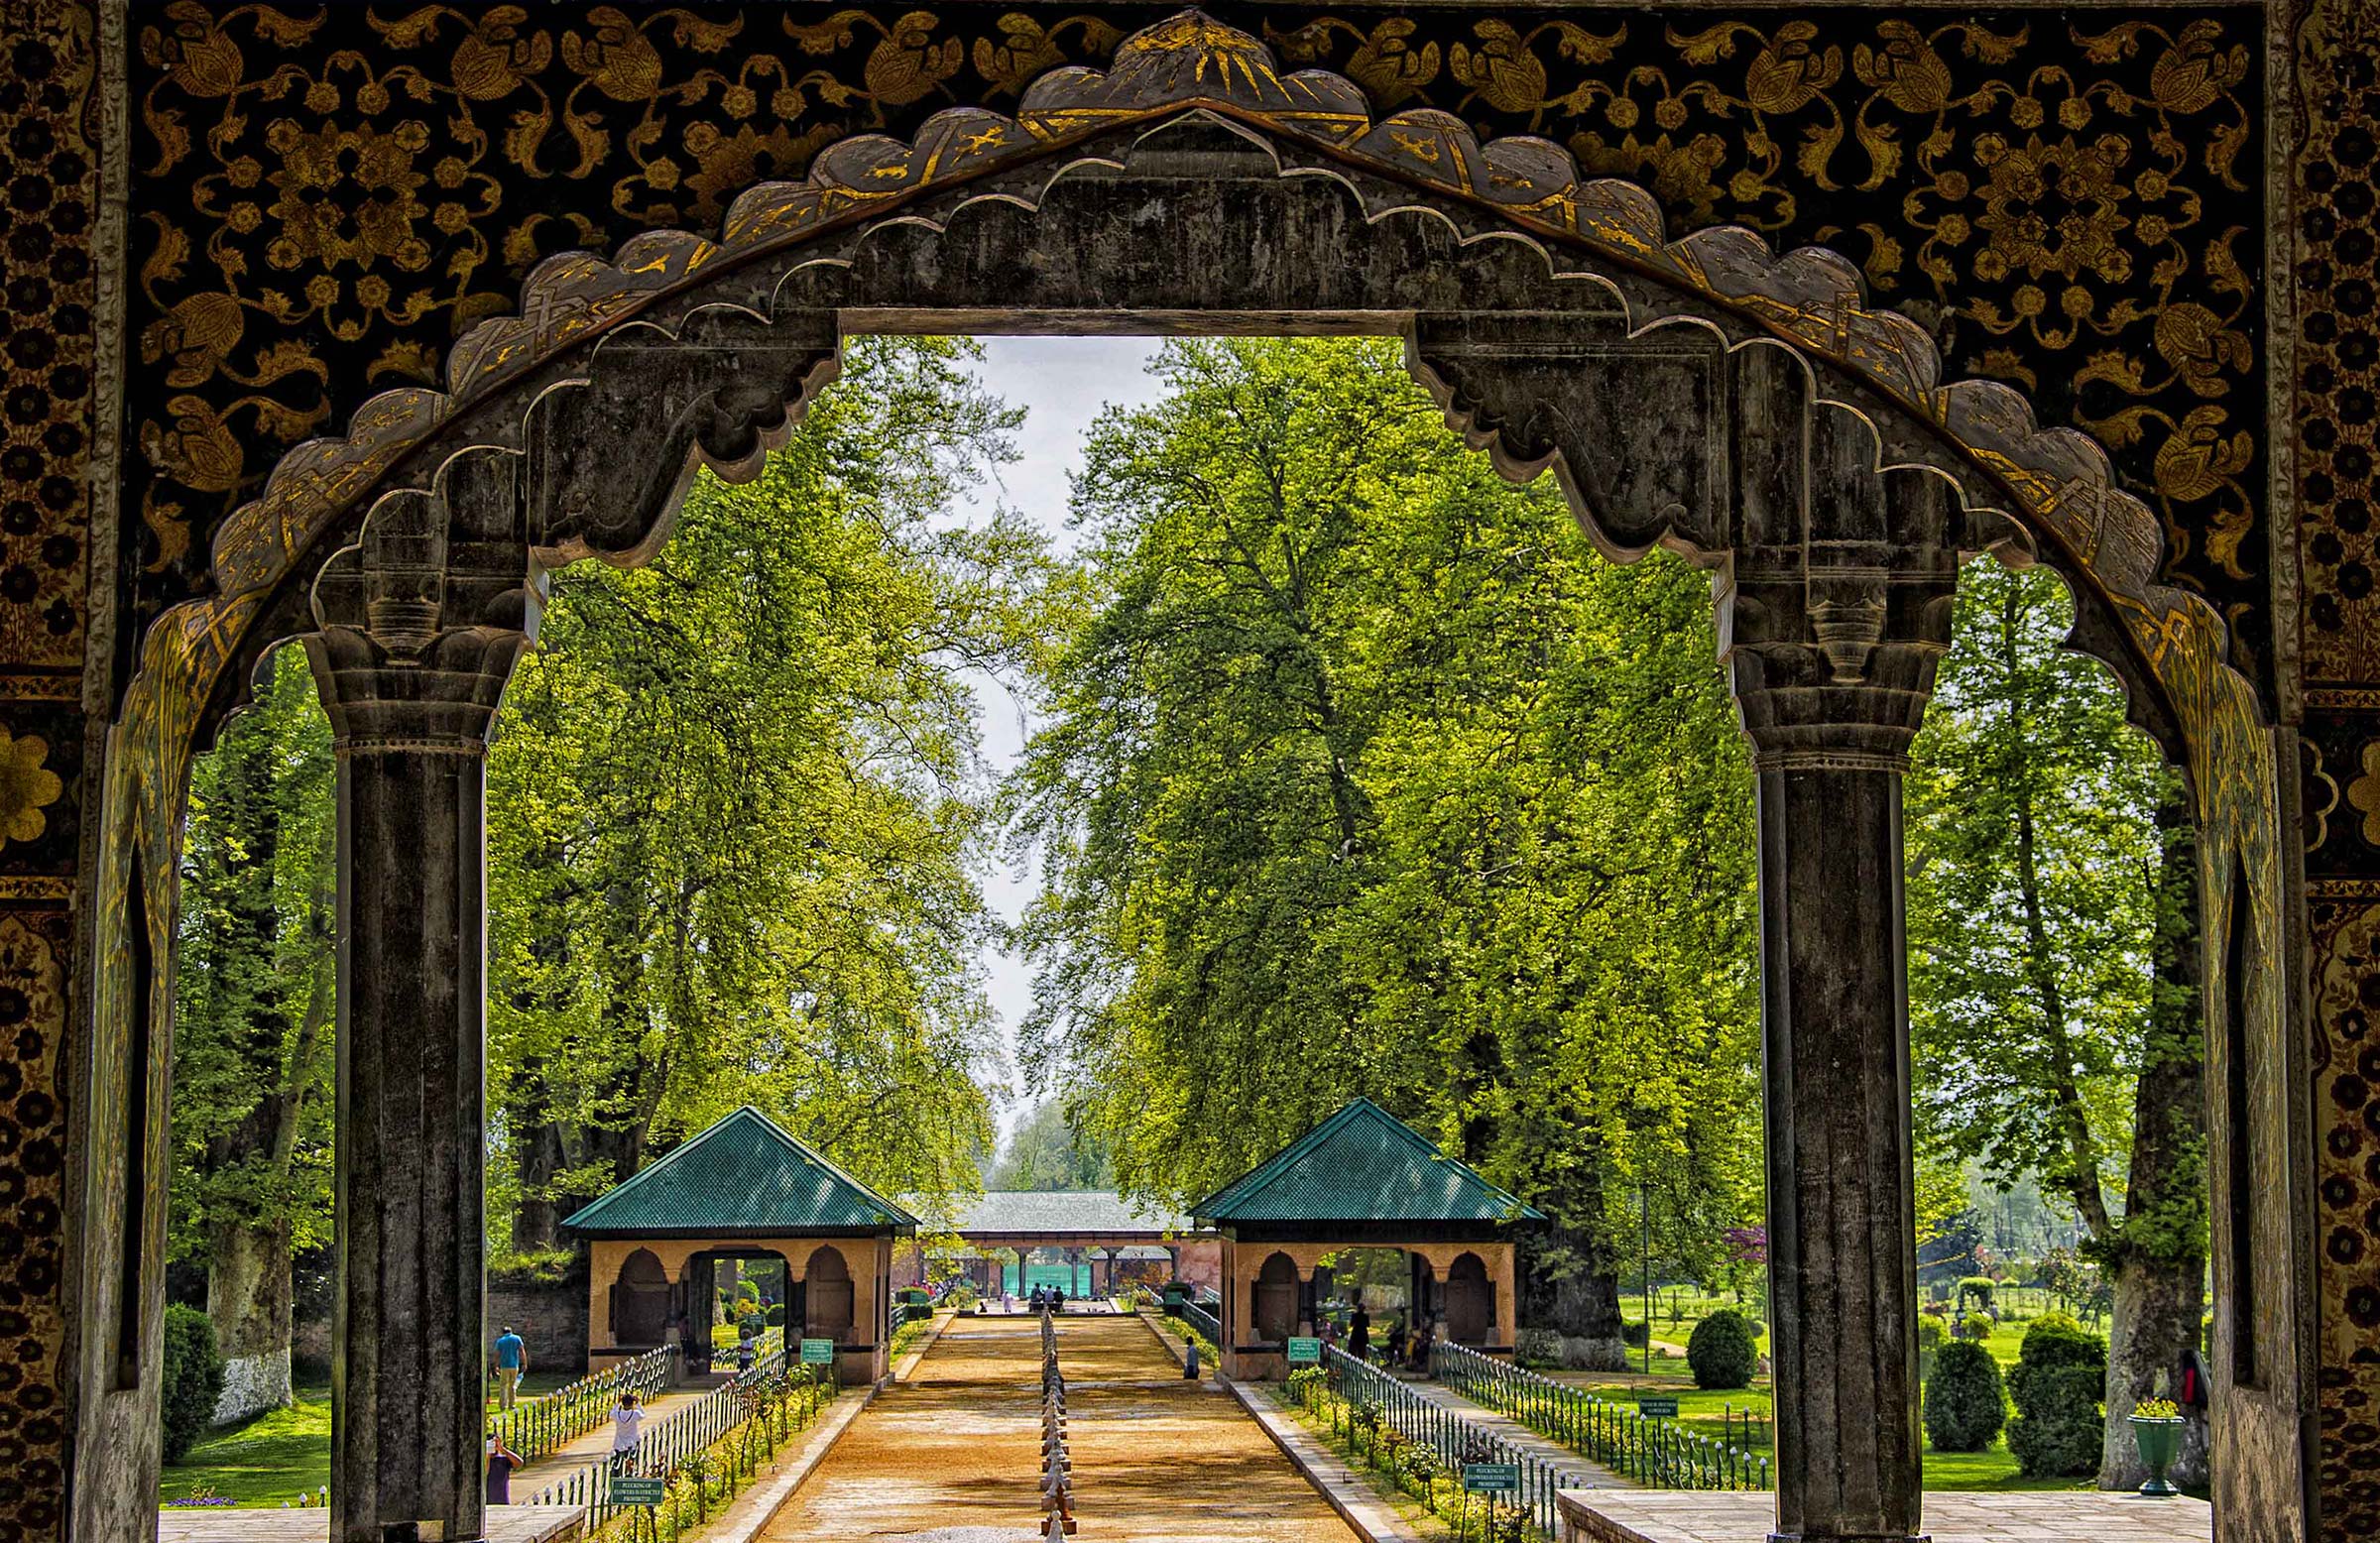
<point x="776" y="1315"/>
<point x="1932" y="1335"/>
<point x="1978" y="1289"/>
<point x="1636" y="1336"/>
<point x="2059" y="1376"/>
<point x="193" y="1378"/>
<point x="1978" y="1327"/>
<point x="1966" y="1402"/>
<point x="1722" y="1350"/>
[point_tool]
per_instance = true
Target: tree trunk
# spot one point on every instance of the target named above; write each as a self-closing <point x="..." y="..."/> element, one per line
<point x="2158" y="1309"/>
<point x="2159" y="1260"/>
<point x="537" y="1153"/>
<point x="248" y="1297"/>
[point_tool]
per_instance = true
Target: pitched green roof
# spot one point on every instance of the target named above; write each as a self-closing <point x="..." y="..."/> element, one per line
<point x="1363" y="1164"/>
<point x="743" y="1176"/>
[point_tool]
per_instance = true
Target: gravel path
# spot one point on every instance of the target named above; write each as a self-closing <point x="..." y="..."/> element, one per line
<point x="953" y="1454"/>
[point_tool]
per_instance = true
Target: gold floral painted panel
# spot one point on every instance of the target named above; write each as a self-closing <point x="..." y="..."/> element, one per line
<point x="325" y="197"/>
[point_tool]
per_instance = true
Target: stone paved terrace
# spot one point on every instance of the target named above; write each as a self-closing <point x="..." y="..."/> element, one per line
<point x="311" y="1524"/>
<point x="2085" y="1516"/>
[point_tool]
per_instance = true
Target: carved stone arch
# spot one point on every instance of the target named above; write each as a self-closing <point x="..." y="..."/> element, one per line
<point x="412" y="540"/>
<point x="722" y="388"/>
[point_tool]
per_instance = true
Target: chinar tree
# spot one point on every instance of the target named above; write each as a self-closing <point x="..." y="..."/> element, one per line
<point x="736" y="797"/>
<point x="2054" y="933"/>
<point x="253" y="1044"/>
<point x="1363" y="773"/>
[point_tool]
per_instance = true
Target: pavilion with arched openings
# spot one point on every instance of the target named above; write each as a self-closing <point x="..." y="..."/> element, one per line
<point x="743" y="1190"/>
<point x="1362" y="1180"/>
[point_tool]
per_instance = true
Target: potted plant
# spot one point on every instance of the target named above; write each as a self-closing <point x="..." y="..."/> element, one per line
<point x="2157" y="1428"/>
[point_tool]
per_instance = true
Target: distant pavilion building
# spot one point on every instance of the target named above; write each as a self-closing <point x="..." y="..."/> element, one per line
<point x="1363" y="1179"/>
<point x="745" y="1189"/>
<point x="1099" y="1227"/>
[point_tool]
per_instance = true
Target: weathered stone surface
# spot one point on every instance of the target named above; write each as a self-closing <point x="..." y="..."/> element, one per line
<point x="424" y="622"/>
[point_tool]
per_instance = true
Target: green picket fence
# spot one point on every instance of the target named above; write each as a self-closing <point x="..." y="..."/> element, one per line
<point x="537" y="1430"/>
<point x="1655" y="1451"/>
<point x="764" y="1392"/>
<point x="1204" y="1321"/>
<point x="1453" y="1440"/>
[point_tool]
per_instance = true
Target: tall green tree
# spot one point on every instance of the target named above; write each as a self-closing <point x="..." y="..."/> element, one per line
<point x="1049" y="1151"/>
<point x="2053" y="922"/>
<point x="735" y="805"/>
<point x="252" y="1055"/>
<point x="1365" y="775"/>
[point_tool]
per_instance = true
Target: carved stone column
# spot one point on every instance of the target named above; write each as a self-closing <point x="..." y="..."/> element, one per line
<point x="1833" y="656"/>
<point x="423" y="627"/>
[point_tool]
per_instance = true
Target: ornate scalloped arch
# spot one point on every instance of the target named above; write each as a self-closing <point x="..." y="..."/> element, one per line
<point x="2055" y="484"/>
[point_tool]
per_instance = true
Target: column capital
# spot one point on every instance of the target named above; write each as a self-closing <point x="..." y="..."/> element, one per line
<point x="1832" y="651"/>
<point x="423" y="621"/>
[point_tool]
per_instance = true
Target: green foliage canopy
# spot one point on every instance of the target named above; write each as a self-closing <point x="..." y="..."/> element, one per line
<point x="1364" y="774"/>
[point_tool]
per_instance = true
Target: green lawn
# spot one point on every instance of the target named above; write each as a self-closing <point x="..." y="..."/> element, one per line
<point x="284" y="1453"/>
<point x="276" y="1457"/>
<point x="1707" y="1413"/>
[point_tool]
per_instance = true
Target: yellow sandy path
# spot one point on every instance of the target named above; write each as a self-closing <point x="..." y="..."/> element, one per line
<point x="953" y="1454"/>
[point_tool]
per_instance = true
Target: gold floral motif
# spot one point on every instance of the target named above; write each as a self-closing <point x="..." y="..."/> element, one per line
<point x="2051" y="192"/>
<point x="2363" y="792"/>
<point x="27" y="786"/>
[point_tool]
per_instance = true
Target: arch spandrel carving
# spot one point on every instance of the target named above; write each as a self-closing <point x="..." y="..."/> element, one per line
<point x="1317" y="123"/>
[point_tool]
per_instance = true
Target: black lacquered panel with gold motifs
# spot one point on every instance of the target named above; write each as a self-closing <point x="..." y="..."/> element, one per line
<point x="325" y="196"/>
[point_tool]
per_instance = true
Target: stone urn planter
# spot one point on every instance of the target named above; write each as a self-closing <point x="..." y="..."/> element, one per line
<point x="2160" y="1441"/>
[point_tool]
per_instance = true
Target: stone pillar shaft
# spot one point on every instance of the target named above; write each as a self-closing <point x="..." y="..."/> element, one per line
<point x="1841" y="1228"/>
<point x="406" y="1376"/>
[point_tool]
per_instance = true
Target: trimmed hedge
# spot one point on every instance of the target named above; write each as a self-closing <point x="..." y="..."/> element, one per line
<point x="1722" y="1350"/>
<point x="2059" y="1376"/>
<point x="193" y="1378"/>
<point x="1636" y="1336"/>
<point x="1966" y="1402"/>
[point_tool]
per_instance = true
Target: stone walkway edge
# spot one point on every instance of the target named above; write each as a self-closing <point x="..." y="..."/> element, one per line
<point x="749" y="1511"/>
<point x="1320" y="1467"/>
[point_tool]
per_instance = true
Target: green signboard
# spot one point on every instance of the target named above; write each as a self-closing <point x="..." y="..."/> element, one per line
<point x="817" y="1353"/>
<point x="1657" y="1408"/>
<point x="1305" y="1353"/>
<point x="640" y="1491"/>
<point x="1491" y="1478"/>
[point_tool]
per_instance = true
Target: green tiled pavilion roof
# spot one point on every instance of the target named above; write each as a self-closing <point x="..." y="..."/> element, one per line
<point x="743" y="1177"/>
<point x="1363" y="1164"/>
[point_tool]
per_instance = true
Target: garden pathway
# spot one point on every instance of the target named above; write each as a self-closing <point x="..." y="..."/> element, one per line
<point x="1591" y="1475"/>
<point x="593" y="1447"/>
<point x="952" y="1454"/>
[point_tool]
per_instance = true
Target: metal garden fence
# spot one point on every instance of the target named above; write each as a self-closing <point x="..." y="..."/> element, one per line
<point x="1452" y="1441"/>
<point x="690" y="1431"/>
<point x="537" y="1430"/>
<point x="1204" y="1321"/>
<point x="1655" y="1451"/>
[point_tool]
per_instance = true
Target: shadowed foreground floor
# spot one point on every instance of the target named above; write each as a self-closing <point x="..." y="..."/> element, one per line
<point x="953" y="1454"/>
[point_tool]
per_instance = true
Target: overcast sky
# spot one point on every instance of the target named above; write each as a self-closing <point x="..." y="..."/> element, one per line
<point x="1061" y="382"/>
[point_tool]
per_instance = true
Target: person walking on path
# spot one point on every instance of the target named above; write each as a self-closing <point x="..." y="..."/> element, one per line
<point x="512" y="1359"/>
<point x="627" y="1421"/>
<point x="1359" y="1333"/>
<point x="502" y="1460"/>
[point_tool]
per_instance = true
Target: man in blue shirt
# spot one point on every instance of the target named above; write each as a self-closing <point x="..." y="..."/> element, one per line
<point x="512" y="1359"/>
